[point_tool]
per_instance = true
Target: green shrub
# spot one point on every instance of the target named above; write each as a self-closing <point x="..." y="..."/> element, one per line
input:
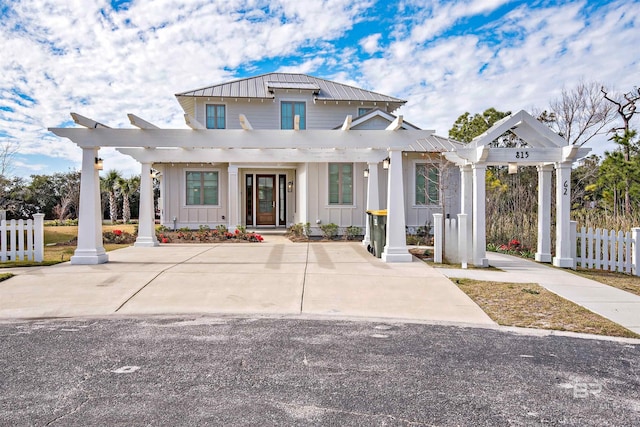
<point x="352" y="232"/>
<point x="329" y="231"/>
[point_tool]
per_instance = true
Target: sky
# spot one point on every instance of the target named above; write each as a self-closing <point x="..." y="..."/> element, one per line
<point x="104" y="59"/>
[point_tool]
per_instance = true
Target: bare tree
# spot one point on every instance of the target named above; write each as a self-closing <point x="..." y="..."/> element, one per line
<point x="579" y="114"/>
<point x="8" y="150"/>
<point x="626" y="109"/>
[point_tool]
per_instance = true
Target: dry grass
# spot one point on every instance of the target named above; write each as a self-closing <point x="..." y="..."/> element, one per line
<point x="532" y="306"/>
<point x="621" y="281"/>
<point x="5" y="276"/>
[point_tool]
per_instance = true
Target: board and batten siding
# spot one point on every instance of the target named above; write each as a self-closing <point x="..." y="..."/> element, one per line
<point x="175" y="193"/>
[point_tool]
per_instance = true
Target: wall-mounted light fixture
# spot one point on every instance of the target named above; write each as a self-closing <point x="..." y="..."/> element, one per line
<point x="366" y="173"/>
<point x="385" y="163"/>
<point x="290" y="186"/>
<point x="98" y="165"/>
<point x="513" y="168"/>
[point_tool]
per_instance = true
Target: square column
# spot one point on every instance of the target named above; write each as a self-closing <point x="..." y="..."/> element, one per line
<point x="373" y="199"/>
<point x="563" y="208"/>
<point x="90" y="249"/>
<point x="234" y="198"/>
<point x="479" y="212"/>
<point x="396" y="249"/>
<point x="466" y="207"/>
<point x="147" y="218"/>
<point x="543" y="254"/>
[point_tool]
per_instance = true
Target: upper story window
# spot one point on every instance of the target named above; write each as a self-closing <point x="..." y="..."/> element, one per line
<point x="215" y="116"/>
<point x="427" y="184"/>
<point x="289" y="109"/>
<point x="202" y="188"/>
<point x="363" y="110"/>
<point x="340" y="183"/>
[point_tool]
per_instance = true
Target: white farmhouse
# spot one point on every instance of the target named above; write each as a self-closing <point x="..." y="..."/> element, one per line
<point x="278" y="149"/>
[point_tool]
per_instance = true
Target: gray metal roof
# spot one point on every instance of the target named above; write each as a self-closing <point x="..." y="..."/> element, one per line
<point x="262" y="86"/>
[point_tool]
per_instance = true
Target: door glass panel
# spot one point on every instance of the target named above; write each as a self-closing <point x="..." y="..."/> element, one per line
<point x="249" y="193"/>
<point x="282" y="193"/>
<point x="265" y="193"/>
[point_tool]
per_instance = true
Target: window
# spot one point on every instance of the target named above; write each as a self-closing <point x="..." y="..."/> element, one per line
<point x="363" y="110"/>
<point x="215" y="117"/>
<point x="427" y="184"/>
<point x="340" y="183"/>
<point x="202" y="188"/>
<point x="288" y="111"/>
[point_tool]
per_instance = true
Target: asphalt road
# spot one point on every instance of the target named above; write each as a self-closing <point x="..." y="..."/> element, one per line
<point x="268" y="371"/>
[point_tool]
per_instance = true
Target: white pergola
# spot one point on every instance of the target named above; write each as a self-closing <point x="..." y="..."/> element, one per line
<point x="149" y="144"/>
<point x="547" y="151"/>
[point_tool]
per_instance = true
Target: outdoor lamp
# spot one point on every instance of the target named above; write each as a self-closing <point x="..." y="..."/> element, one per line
<point x="385" y="163"/>
<point x="290" y="186"/>
<point x="513" y="168"/>
<point x="98" y="165"/>
<point x="366" y="173"/>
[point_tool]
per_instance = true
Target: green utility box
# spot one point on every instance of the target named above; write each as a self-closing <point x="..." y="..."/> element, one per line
<point x="378" y="230"/>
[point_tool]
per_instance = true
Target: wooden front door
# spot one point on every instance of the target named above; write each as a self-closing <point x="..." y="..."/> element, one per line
<point x="266" y="192"/>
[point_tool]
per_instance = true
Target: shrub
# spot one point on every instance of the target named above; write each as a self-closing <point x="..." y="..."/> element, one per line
<point x="329" y="231"/>
<point x="352" y="232"/>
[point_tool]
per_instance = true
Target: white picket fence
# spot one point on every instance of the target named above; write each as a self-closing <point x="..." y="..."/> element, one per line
<point x="607" y="249"/>
<point x="451" y="236"/>
<point x="22" y="239"/>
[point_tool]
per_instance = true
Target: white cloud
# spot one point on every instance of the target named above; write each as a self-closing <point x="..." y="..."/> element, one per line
<point x="370" y="43"/>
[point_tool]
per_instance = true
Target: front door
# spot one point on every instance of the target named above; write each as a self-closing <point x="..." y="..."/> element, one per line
<point x="266" y="209"/>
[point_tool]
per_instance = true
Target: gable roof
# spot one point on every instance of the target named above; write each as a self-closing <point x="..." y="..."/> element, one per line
<point x="263" y="86"/>
<point x="377" y="112"/>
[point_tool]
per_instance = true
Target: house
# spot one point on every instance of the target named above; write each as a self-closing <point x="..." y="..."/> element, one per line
<point x="279" y="149"/>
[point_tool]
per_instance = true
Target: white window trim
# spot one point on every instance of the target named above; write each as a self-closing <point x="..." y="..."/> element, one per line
<point x="354" y="189"/>
<point x="412" y="178"/>
<point x="184" y="188"/>
<point x="226" y="111"/>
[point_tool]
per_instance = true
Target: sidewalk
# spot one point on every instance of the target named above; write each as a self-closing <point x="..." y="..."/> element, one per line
<point x="272" y="277"/>
<point x="614" y="304"/>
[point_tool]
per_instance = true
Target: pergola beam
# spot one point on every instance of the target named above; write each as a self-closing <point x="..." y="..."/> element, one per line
<point x="244" y="122"/>
<point x="87" y="122"/>
<point x="192" y="122"/>
<point x="396" y="124"/>
<point x="141" y="123"/>
<point x="347" y="123"/>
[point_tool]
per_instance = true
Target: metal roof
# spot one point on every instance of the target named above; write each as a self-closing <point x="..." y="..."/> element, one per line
<point x="262" y="87"/>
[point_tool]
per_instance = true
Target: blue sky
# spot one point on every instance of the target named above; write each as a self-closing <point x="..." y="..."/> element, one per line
<point x="104" y="59"/>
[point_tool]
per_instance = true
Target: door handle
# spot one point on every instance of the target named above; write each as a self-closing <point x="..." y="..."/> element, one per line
<point x="273" y="204"/>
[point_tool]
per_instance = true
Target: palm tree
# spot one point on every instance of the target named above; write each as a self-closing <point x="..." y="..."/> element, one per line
<point x="126" y="188"/>
<point x="108" y="184"/>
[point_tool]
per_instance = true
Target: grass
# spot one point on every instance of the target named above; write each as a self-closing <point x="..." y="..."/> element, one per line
<point x="5" y="276"/>
<point x="59" y="245"/>
<point x="532" y="306"/>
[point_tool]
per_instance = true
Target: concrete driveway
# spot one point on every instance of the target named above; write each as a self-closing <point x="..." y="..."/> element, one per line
<point x="272" y="277"/>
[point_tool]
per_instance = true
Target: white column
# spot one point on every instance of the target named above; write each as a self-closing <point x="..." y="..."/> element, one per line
<point x="234" y="198"/>
<point x="543" y="253"/>
<point x="466" y="207"/>
<point x="373" y="199"/>
<point x="147" y="218"/>
<point x="301" y="189"/>
<point x="90" y="250"/>
<point x="479" y="226"/>
<point x="563" y="208"/>
<point x="396" y="248"/>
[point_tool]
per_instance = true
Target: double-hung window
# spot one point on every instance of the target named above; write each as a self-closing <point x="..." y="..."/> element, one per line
<point x="215" y="116"/>
<point x="340" y="183"/>
<point x="202" y="188"/>
<point x="363" y="110"/>
<point x="427" y="184"/>
<point x="289" y="109"/>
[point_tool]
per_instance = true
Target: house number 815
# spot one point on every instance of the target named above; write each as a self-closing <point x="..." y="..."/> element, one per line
<point x="522" y="154"/>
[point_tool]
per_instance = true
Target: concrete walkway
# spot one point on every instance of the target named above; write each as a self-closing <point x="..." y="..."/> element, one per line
<point x="614" y="304"/>
<point x="273" y="277"/>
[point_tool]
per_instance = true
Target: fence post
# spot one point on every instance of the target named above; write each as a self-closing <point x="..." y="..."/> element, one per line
<point x="437" y="238"/>
<point x="3" y="239"/>
<point x="462" y="239"/>
<point x="38" y="237"/>
<point x="635" y="251"/>
<point x="573" y="230"/>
